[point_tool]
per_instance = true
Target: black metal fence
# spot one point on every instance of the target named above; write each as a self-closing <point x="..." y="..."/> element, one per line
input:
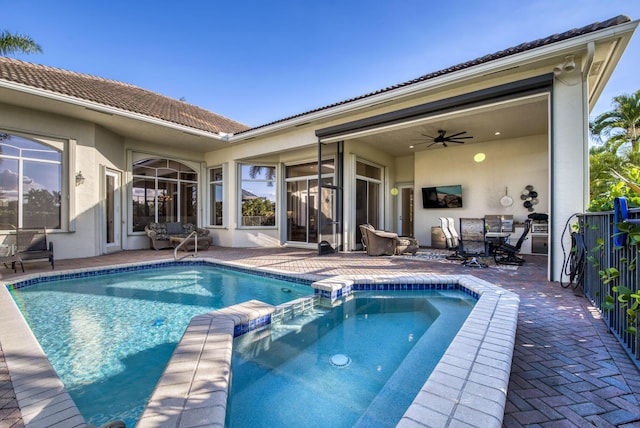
<point x="598" y="232"/>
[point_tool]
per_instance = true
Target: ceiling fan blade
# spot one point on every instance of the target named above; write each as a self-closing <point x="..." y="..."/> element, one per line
<point x="435" y="142"/>
<point x="455" y="135"/>
<point x="444" y="144"/>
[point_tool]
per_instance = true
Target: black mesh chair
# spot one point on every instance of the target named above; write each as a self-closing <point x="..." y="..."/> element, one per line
<point x="507" y="254"/>
<point x="473" y="243"/>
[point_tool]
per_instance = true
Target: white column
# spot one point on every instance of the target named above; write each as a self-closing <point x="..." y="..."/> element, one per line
<point x="569" y="161"/>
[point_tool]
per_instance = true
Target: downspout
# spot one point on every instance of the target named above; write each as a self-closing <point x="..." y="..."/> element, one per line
<point x="591" y="49"/>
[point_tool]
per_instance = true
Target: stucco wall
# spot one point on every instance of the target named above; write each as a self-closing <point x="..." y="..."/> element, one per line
<point x="79" y="236"/>
<point x="509" y="165"/>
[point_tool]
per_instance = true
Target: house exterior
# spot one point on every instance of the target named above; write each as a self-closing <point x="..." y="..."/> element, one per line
<point x="94" y="160"/>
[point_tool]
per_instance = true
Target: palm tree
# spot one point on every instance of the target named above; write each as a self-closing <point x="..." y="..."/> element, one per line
<point x="14" y="43"/>
<point x="621" y="125"/>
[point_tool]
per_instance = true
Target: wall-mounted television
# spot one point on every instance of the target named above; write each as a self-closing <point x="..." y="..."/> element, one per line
<point x="442" y="197"/>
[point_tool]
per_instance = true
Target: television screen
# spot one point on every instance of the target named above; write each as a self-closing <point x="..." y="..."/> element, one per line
<point x="442" y="197"/>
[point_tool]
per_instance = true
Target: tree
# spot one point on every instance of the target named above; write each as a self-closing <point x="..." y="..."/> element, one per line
<point x="13" y="43"/>
<point x="270" y="172"/>
<point x="17" y="43"/>
<point x="620" y="126"/>
<point x="603" y="184"/>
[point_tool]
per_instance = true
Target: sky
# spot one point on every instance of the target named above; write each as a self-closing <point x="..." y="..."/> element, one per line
<point x="260" y="61"/>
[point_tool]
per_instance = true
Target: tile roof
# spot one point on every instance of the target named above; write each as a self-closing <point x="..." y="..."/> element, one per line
<point x="620" y="19"/>
<point x="115" y="94"/>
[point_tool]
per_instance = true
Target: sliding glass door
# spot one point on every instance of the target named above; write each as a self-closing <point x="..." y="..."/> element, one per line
<point x="302" y="201"/>
<point x="368" y="197"/>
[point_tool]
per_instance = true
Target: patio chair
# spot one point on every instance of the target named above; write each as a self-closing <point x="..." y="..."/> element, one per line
<point x="378" y="242"/>
<point x="8" y="256"/>
<point x="472" y="241"/>
<point x="452" y="239"/>
<point x="381" y="243"/>
<point x="507" y="254"/>
<point x="31" y="244"/>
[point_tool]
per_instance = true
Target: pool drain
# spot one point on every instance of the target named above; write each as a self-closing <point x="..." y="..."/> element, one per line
<point x="340" y="360"/>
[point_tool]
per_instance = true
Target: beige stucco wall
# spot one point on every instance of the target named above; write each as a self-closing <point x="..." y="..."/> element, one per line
<point x="79" y="237"/>
<point x="509" y="165"/>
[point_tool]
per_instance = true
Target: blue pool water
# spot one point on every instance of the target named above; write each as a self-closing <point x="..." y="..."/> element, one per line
<point x="294" y="374"/>
<point x="110" y="337"/>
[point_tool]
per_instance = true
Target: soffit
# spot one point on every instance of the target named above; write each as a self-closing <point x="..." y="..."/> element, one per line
<point x="513" y="119"/>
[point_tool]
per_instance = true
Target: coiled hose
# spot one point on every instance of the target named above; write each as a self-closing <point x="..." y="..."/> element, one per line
<point x="574" y="262"/>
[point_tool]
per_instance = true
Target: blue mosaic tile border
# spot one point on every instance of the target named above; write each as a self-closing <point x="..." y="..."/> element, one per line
<point x="253" y="324"/>
<point x="336" y="294"/>
<point x="122" y="269"/>
<point x="414" y="287"/>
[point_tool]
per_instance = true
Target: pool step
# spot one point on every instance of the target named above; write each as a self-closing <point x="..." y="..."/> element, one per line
<point x="289" y="310"/>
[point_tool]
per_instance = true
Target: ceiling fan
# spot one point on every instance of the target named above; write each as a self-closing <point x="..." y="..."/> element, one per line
<point x="443" y="139"/>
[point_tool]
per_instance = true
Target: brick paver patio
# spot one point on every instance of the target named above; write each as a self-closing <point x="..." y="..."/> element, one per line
<point x="567" y="371"/>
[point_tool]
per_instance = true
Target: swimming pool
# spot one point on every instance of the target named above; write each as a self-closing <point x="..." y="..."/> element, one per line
<point x="359" y="364"/>
<point x="109" y="337"/>
<point x="467" y="386"/>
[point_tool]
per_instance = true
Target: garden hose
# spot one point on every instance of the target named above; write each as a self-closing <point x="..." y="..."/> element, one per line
<point x="574" y="262"/>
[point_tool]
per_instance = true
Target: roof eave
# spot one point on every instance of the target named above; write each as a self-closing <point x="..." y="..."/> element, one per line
<point x="108" y="110"/>
<point x="574" y="45"/>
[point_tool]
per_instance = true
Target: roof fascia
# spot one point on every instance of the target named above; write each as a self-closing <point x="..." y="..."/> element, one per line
<point x="111" y="111"/>
<point x="563" y="47"/>
<point x="617" y="50"/>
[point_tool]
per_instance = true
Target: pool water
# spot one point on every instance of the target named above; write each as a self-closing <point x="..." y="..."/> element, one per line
<point x="360" y="364"/>
<point x="110" y="337"/>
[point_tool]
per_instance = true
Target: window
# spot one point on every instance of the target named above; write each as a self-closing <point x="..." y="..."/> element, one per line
<point x="163" y="191"/>
<point x="258" y="187"/>
<point x="30" y="183"/>
<point x="216" y="197"/>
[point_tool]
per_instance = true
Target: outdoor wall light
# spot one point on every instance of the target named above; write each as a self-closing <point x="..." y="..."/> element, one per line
<point x="79" y="178"/>
<point x="567" y="66"/>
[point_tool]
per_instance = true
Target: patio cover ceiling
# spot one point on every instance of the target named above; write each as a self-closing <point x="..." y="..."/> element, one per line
<point x="514" y="110"/>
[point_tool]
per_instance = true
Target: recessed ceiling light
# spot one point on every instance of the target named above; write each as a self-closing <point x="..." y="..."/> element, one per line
<point x="411" y="146"/>
<point x="497" y="133"/>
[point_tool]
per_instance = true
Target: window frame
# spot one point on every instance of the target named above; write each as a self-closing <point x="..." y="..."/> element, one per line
<point x="136" y="157"/>
<point x="211" y="198"/>
<point x="276" y="199"/>
<point x="66" y="151"/>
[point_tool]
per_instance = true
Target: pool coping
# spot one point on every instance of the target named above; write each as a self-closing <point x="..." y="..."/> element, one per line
<point x="468" y="386"/>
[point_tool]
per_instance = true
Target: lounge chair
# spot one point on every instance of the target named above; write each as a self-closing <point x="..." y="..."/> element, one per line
<point x="381" y="243"/>
<point x="31" y="244"/>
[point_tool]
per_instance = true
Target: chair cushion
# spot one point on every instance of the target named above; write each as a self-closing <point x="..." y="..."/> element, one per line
<point x="174" y="228"/>
<point x="158" y="228"/>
